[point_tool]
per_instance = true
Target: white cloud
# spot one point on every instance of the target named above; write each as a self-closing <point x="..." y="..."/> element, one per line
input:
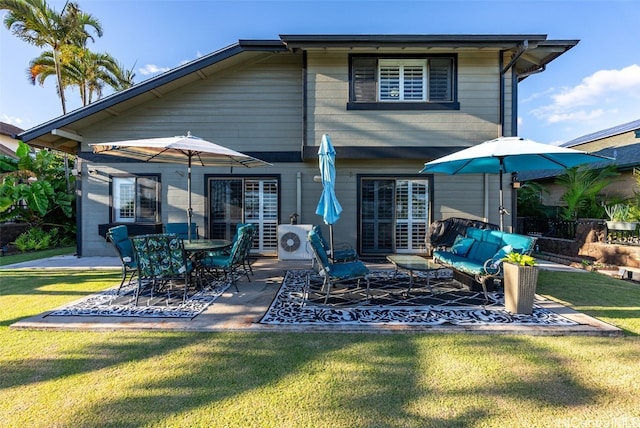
<point x="152" y="69"/>
<point x="601" y="94"/>
<point x="575" y="116"/>
<point x="603" y="83"/>
<point x="15" y="121"/>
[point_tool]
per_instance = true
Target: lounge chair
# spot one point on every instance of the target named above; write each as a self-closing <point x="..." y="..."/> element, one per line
<point x="341" y="252"/>
<point x="334" y="272"/>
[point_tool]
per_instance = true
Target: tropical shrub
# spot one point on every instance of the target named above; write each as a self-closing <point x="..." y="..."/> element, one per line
<point x="38" y="191"/>
<point x="582" y="191"/>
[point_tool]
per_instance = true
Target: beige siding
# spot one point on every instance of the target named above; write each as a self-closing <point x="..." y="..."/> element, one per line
<point x="257" y="107"/>
<point x="476" y="121"/>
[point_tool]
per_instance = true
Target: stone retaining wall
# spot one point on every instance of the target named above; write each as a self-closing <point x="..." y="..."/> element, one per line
<point x="590" y="244"/>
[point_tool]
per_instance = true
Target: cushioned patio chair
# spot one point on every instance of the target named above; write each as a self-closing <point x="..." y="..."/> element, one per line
<point x="246" y="261"/>
<point x="182" y="230"/>
<point x="119" y="237"/>
<point x="162" y="264"/>
<point x="334" y="272"/>
<point x="232" y="263"/>
<point x="341" y="252"/>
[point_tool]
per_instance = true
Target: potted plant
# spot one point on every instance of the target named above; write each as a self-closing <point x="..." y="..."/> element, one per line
<point x="520" y="282"/>
<point x="620" y="217"/>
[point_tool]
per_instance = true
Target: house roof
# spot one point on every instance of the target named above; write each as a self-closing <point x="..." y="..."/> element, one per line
<point x="605" y="133"/>
<point x="532" y="53"/>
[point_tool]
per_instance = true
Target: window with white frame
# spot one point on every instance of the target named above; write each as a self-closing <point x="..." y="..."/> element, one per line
<point x="135" y="199"/>
<point x="414" y="82"/>
<point x="402" y="80"/>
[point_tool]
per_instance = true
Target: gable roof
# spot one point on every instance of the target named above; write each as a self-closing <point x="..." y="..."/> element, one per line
<point x="531" y="54"/>
<point x="54" y="135"/>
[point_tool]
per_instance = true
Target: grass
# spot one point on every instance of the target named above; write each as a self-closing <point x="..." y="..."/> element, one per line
<point x="35" y="255"/>
<point x="176" y="379"/>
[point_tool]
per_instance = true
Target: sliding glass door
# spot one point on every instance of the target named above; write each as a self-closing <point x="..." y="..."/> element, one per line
<point x="244" y="200"/>
<point x="394" y="215"/>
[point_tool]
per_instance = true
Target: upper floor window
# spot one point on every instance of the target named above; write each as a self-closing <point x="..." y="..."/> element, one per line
<point x="135" y="199"/>
<point x="425" y="82"/>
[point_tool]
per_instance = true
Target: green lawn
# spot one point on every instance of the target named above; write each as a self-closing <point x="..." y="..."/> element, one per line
<point x="178" y="379"/>
<point x="35" y="255"/>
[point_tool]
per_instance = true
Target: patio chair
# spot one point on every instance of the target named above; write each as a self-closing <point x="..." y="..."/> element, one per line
<point x="334" y="272"/>
<point x="119" y="237"/>
<point x="246" y="261"/>
<point x="341" y="252"/>
<point x="162" y="263"/>
<point x="182" y="230"/>
<point x="231" y="264"/>
<point x="246" y="258"/>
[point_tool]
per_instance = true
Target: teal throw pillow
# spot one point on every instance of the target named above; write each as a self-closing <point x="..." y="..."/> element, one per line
<point x="461" y="245"/>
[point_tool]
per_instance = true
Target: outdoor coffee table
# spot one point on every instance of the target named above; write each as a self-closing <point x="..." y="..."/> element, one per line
<point x="414" y="263"/>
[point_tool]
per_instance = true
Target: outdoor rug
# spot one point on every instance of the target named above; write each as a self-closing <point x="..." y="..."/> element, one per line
<point x="156" y="305"/>
<point x="389" y="304"/>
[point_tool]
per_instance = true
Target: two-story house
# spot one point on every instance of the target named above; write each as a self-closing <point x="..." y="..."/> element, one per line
<point x="390" y="103"/>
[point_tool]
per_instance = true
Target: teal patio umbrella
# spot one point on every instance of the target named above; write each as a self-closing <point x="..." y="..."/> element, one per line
<point x="508" y="155"/>
<point x="328" y="206"/>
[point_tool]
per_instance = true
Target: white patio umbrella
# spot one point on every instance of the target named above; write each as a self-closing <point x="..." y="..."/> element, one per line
<point x="507" y="155"/>
<point x="179" y="149"/>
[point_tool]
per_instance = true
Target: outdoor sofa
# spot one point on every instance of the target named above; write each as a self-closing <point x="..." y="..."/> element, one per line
<point x="476" y="257"/>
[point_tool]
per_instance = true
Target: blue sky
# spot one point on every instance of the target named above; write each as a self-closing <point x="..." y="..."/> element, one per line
<point x="595" y="85"/>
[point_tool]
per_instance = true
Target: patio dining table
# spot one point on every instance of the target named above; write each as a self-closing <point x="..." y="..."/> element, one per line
<point x="198" y="248"/>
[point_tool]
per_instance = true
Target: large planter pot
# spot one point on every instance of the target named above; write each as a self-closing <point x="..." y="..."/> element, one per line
<point x="621" y="225"/>
<point x="519" y="288"/>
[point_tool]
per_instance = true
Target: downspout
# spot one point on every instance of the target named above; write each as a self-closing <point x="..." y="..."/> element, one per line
<point x="521" y="48"/>
<point x="305" y="100"/>
<point x="514" y="129"/>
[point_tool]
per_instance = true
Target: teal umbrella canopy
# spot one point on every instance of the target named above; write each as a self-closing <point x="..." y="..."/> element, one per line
<point x="509" y="155"/>
<point x="328" y="206"/>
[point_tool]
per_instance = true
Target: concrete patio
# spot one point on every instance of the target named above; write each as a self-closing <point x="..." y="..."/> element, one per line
<point x="242" y="311"/>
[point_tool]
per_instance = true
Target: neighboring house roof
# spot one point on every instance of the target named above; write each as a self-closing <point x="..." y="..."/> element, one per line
<point x="532" y="54"/>
<point x="9" y="129"/>
<point x="625" y="156"/>
<point x="605" y="133"/>
<point x="8" y="143"/>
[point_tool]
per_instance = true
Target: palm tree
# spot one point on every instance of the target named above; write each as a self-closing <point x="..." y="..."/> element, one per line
<point x="34" y="22"/>
<point x="89" y="71"/>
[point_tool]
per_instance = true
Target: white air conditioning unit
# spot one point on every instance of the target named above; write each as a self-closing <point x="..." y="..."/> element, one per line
<point x="292" y="242"/>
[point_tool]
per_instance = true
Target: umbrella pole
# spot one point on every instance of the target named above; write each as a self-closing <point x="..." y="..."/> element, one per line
<point x="331" y="240"/>
<point x="189" y="210"/>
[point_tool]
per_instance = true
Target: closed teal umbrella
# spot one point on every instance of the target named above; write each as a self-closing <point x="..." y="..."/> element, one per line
<point x="328" y="206"/>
